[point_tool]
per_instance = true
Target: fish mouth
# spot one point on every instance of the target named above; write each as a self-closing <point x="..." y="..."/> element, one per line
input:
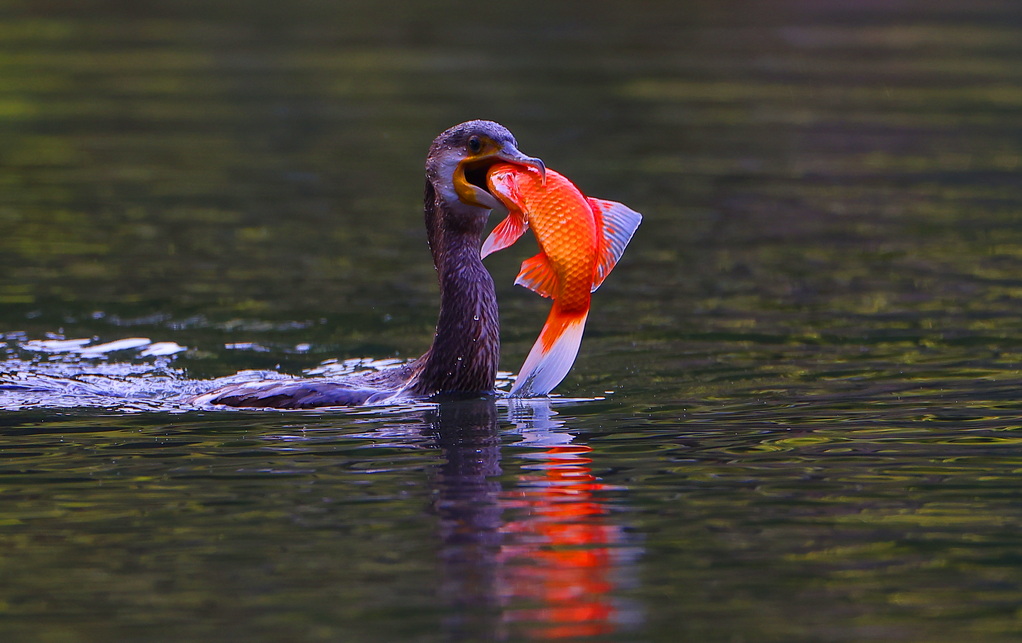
<point x="470" y="175"/>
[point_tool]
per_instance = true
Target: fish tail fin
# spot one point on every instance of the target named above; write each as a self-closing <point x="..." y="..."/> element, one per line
<point x="553" y="353"/>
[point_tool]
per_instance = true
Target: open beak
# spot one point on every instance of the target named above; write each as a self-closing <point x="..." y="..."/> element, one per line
<point x="470" y="175"/>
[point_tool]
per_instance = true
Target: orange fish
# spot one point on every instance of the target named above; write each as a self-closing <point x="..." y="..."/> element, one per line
<point x="580" y="240"/>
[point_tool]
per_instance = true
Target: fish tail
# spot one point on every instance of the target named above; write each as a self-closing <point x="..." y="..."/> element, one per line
<point x="553" y="353"/>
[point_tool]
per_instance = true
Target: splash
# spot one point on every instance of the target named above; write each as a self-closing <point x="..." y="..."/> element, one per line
<point x="133" y="374"/>
<point x="56" y="372"/>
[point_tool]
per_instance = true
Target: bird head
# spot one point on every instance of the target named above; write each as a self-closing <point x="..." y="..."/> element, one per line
<point x="460" y="157"/>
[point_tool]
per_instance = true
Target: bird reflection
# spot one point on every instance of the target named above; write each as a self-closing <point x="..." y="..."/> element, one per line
<point x="467" y="501"/>
<point x="534" y="553"/>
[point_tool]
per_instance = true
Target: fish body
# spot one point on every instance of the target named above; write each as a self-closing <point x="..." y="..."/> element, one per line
<point x="580" y="240"/>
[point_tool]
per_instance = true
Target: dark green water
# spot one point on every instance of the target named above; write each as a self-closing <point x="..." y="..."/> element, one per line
<point x="812" y="342"/>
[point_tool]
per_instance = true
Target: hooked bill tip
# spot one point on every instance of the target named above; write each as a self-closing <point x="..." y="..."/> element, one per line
<point x="536" y="164"/>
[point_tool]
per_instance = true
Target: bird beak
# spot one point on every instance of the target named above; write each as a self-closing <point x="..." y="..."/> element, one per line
<point x="510" y="154"/>
<point x="470" y="175"/>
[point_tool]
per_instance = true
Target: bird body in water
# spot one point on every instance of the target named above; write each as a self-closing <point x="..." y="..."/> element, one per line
<point x="465" y="351"/>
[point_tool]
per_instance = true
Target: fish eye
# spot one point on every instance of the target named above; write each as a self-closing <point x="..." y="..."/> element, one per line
<point x="475" y="145"/>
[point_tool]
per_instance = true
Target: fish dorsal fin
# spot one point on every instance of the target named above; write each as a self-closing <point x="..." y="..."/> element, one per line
<point x="538" y="276"/>
<point x="506" y="233"/>
<point x="617" y="223"/>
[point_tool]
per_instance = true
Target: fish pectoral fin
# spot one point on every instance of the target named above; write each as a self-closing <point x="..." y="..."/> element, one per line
<point x="506" y="233"/>
<point x="538" y="276"/>
<point x="617" y="223"/>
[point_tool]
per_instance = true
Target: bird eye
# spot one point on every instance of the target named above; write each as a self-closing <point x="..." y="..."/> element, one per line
<point x="475" y="144"/>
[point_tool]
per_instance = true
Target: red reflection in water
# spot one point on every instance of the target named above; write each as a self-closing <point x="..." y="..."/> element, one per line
<point x="559" y="556"/>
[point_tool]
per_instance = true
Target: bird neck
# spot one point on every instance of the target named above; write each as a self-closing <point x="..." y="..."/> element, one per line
<point x="466" y="346"/>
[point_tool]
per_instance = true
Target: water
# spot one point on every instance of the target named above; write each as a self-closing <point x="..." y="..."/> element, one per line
<point x="795" y="413"/>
